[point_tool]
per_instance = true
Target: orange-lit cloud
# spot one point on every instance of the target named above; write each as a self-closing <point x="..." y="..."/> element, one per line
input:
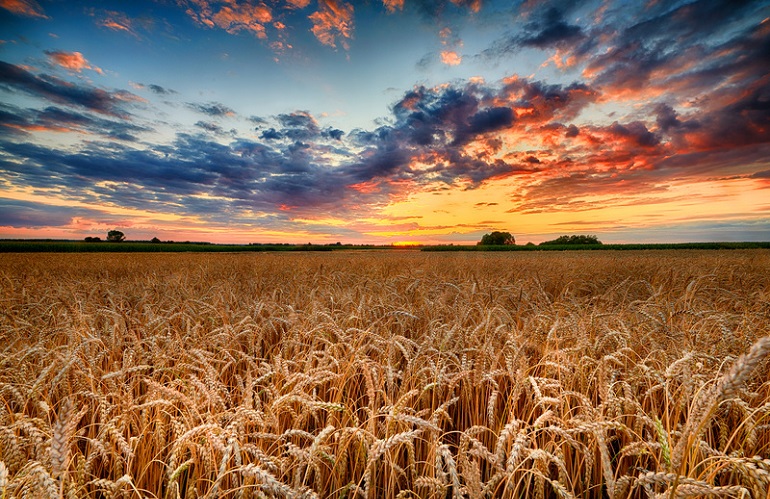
<point x="627" y="137"/>
<point x="393" y="5"/>
<point x="333" y="23"/>
<point x="298" y="4"/>
<point x="73" y="61"/>
<point x="29" y="8"/>
<point x="37" y="128"/>
<point x="451" y="42"/>
<point x="451" y="58"/>
<point x="231" y="15"/>
<point x="473" y="5"/>
<point x="116" y="25"/>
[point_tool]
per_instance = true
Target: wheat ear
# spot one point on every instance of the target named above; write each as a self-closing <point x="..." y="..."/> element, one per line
<point x="726" y="387"/>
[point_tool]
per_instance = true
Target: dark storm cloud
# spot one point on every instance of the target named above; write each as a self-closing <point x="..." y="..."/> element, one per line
<point x="246" y="174"/>
<point x="691" y="47"/>
<point x="299" y="125"/>
<point x="666" y="117"/>
<point x="271" y="134"/>
<point x="213" y="109"/>
<point x="15" y="78"/>
<point x="23" y="121"/>
<point x="551" y="30"/>
<point x="428" y="117"/>
<point x="333" y="133"/>
<point x="490" y="119"/>
<point x="635" y="133"/>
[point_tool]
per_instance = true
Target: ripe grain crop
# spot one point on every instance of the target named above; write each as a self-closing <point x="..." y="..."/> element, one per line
<point x="385" y="375"/>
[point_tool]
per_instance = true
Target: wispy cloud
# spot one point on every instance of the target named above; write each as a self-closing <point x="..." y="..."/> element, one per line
<point x="28" y="8"/>
<point x="213" y="109"/>
<point x="59" y="91"/>
<point x="54" y="119"/>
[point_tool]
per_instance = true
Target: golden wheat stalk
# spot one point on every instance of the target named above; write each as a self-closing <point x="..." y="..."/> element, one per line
<point x="726" y="387"/>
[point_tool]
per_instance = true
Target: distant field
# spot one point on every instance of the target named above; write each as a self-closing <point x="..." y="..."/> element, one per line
<point x="145" y="247"/>
<point x="53" y="246"/>
<point x="613" y="374"/>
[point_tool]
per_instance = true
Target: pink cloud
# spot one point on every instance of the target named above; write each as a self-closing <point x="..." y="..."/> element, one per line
<point x="72" y="61"/>
<point x="333" y="22"/>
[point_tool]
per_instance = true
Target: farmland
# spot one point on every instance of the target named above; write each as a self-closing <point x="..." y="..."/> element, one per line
<point x="385" y="374"/>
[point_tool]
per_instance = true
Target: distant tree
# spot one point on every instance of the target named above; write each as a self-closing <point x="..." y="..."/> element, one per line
<point x="90" y="239"/>
<point x="573" y="239"/>
<point x="155" y="240"/>
<point x="497" y="239"/>
<point x="115" y="236"/>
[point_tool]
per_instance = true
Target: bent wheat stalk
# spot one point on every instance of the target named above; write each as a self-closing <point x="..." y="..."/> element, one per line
<point x="709" y="399"/>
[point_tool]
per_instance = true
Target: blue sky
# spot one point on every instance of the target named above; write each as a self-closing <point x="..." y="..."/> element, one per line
<point x="385" y="121"/>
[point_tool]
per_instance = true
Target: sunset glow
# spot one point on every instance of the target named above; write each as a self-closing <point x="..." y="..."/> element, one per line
<point x="385" y="122"/>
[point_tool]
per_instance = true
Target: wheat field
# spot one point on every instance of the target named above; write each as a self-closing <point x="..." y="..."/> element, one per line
<point x="385" y="375"/>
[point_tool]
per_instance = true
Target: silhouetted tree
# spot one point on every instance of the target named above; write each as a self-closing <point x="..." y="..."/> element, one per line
<point x="155" y="240"/>
<point x="573" y="239"/>
<point x="90" y="239"/>
<point x="497" y="239"/>
<point x="115" y="236"/>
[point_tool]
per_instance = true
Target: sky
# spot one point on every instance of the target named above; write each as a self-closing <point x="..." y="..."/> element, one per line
<point x="385" y="121"/>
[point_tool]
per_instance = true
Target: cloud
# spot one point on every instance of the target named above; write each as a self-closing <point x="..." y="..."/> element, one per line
<point x="24" y="214"/>
<point x="333" y="133"/>
<point x="299" y="125"/>
<point x="160" y="90"/>
<point x="298" y="4"/>
<point x="118" y="21"/>
<point x="53" y="119"/>
<point x="550" y="30"/>
<point x="72" y="61"/>
<point x="210" y="127"/>
<point x="393" y="5"/>
<point x="28" y="8"/>
<point x="48" y="87"/>
<point x="333" y="23"/>
<point x="231" y="16"/>
<point x="271" y="134"/>
<point x="213" y="109"/>
<point x="685" y="50"/>
<point x="692" y="114"/>
<point x="451" y="58"/>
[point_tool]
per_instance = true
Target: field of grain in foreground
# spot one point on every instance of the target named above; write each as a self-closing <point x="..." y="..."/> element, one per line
<point x="385" y="374"/>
